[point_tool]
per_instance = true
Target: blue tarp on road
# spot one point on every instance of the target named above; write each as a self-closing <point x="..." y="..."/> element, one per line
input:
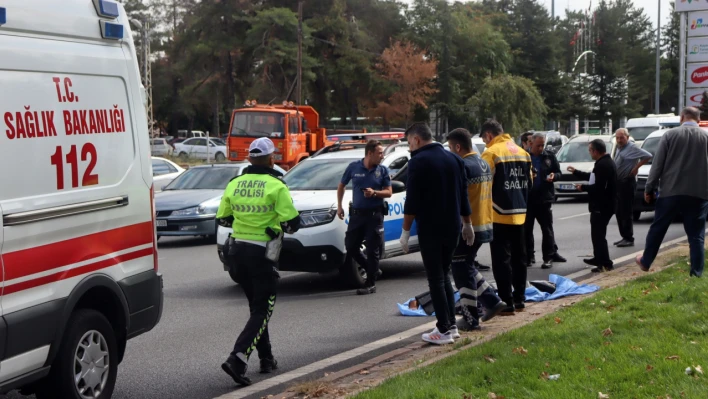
<point x="564" y="287"/>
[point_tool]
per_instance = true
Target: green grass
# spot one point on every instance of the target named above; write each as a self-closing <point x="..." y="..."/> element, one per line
<point x="652" y="318"/>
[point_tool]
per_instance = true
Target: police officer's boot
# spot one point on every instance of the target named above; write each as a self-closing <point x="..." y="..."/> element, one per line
<point x="236" y="368"/>
<point x="268" y="365"/>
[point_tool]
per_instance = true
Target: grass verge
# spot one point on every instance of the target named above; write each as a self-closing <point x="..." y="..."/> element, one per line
<point x="633" y="341"/>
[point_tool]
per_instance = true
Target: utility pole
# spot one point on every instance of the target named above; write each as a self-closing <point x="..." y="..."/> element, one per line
<point x="658" y="57"/>
<point x="299" y="52"/>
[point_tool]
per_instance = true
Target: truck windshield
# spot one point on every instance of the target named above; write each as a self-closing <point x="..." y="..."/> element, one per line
<point x="257" y="124"/>
<point x="317" y="175"/>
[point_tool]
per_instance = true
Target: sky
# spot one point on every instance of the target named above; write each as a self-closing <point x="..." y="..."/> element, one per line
<point x="650" y="7"/>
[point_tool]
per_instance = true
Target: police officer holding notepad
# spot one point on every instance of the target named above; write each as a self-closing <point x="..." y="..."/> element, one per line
<point x="257" y="204"/>
<point x="371" y="185"/>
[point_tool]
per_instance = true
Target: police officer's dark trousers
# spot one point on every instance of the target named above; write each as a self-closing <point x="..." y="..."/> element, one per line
<point x="365" y="224"/>
<point x="258" y="277"/>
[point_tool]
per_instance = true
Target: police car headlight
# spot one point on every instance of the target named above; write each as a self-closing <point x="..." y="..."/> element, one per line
<point x="200" y="210"/>
<point x="317" y="217"/>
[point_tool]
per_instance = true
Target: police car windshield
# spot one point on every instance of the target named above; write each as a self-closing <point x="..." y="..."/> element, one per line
<point x="317" y="175"/>
<point x="651" y="145"/>
<point x="203" y="179"/>
<point x="574" y="152"/>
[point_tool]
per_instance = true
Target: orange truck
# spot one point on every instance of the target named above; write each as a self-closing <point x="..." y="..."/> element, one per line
<point x="295" y="131"/>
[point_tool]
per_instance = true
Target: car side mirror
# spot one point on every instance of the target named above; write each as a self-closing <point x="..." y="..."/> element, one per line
<point x="397" y="186"/>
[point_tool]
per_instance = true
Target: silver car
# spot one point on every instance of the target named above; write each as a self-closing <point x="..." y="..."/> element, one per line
<point x="187" y="206"/>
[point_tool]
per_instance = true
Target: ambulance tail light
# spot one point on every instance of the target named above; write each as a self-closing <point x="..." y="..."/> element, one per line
<point x="154" y="225"/>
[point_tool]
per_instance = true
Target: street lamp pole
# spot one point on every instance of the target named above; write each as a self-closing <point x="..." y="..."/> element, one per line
<point x="658" y="58"/>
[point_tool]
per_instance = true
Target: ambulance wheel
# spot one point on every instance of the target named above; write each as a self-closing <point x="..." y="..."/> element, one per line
<point x="87" y="362"/>
<point x="219" y="157"/>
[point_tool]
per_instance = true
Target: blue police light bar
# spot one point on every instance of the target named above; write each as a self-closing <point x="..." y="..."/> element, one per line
<point x="108" y="9"/>
<point x="3" y="16"/>
<point x="110" y="30"/>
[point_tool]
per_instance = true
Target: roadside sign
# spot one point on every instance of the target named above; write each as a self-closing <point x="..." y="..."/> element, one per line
<point x="697" y="49"/>
<point x="694" y="96"/>
<point x="698" y="23"/>
<point x="690" y="5"/>
<point x="697" y="75"/>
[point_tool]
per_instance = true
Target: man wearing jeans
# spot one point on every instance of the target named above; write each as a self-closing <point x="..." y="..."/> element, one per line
<point x="680" y="173"/>
<point x="436" y="198"/>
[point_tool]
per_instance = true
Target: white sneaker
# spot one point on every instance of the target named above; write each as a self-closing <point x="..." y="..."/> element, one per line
<point x="435" y="337"/>
<point x="455" y="332"/>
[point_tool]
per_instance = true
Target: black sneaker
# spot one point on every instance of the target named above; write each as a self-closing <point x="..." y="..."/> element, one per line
<point x="617" y="242"/>
<point x="493" y="312"/>
<point x="366" y="290"/>
<point x="519" y="306"/>
<point x="481" y="267"/>
<point x="507" y="311"/>
<point x="268" y="365"/>
<point x="547" y="264"/>
<point x="558" y="258"/>
<point x="592" y="262"/>
<point x="625" y="243"/>
<point x="237" y="370"/>
<point x="463" y="325"/>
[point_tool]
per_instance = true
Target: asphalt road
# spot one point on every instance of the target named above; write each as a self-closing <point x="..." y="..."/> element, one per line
<point x="315" y="316"/>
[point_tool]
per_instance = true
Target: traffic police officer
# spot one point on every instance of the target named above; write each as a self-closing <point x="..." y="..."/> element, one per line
<point x="372" y="183"/>
<point x="258" y="206"/>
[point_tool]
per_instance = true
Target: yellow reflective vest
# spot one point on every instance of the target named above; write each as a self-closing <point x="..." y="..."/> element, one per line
<point x="257" y="199"/>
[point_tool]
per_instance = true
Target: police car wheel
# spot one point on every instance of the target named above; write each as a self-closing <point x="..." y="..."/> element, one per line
<point x="232" y="274"/>
<point x="87" y="362"/>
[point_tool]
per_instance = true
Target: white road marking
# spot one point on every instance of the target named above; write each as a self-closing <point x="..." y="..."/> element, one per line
<point x="348" y="355"/>
<point x="574" y="216"/>
<point x="322" y="364"/>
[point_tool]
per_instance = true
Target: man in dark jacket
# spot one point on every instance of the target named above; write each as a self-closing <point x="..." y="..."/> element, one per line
<point x="436" y="198"/>
<point x="546" y="170"/>
<point x="602" y="193"/>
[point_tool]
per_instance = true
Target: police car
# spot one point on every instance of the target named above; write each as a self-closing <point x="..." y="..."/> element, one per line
<point x="319" y="244"/>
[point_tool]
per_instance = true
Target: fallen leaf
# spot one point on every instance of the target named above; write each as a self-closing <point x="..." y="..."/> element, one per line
<point x="601" y="395"/>
<point x="698" y="368"/>
<point x="544" y="375"/>
<point x="548" y="365"/>
<point x="694" y="342"/>
<point x="591" y="367"/>
<point x="326" y="374"/>
<point x="620" y="299"/>
<point x="607" y="332"/>
<point x="674" y="357"/>
<point x="492" y="395"/>
<point x="535" y="314"/>
<point x="645" y="292"/>
<point x="654" y="286"/>
<point x="650" y="367"/>
<point x="489" y="359"/>
<point x="635" y="348"/>
<point x="634" y="274"/>
<point x="557" y="320"/>
<point x="607" y="343"/>
<point x="364" y="372"/>
<point x="603" y="302"/>
<point x="520" y="350"/>
<point x="611" y="307"/>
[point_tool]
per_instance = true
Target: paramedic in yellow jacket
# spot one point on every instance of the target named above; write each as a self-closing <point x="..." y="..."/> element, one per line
<point x="511" y="181"/>
<point x="468" y="280"/>
<point x="258" y="206"/>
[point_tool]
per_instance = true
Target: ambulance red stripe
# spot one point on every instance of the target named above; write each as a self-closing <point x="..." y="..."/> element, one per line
<point x="44" y="258"/>
<point x="91" y="267"/>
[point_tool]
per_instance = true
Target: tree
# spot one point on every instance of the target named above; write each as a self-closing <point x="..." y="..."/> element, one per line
<point x="408" y="74"/>
<point x="704" y="104"/>
<point x="670" y="64"/>
<point x="514" y="101"/>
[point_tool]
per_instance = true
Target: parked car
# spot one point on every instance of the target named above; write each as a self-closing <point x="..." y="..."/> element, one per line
<point x="575" y="153"/>
<point x="160" y="147"/>
<point x="640" y="128"/>
<point x="187" y="206"/>
<point x="197" y="148"/>
<point x="163" y="172"/>
<point x="319" y="244"/>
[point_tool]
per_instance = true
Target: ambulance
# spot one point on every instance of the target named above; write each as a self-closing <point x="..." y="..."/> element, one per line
<point x="77" y="229"/>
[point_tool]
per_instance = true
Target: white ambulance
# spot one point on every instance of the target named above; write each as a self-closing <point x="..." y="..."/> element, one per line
<point x="77" y="236"/>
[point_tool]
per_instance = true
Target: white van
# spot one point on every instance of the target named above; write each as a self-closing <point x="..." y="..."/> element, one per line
<point x="77" y="230"/>
<point x="640" y="128"/>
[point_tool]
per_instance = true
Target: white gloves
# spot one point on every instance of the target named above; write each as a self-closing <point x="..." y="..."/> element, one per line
<point x="405" y="236"/>
<point x="468" y="233"/>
